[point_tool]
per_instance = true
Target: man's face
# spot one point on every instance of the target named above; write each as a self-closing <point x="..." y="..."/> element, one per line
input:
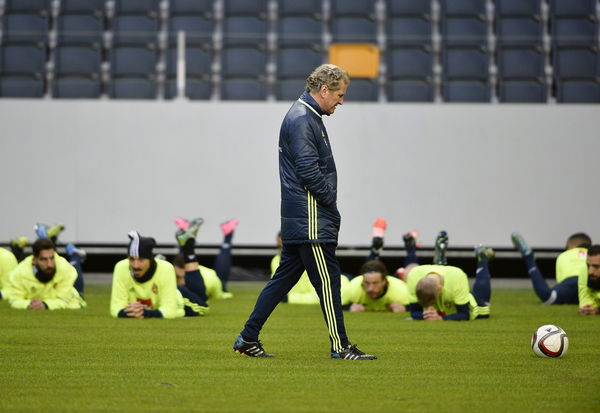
<point x="593" y="263"/>
<point x="332" y="98"/>
<point x="45" y="262"/>
<point x="139" y="266"/>
<point x="374" y="284"/>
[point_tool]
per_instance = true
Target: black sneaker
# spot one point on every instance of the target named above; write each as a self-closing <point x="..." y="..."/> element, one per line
<point x="250" y="348"/>
<point x="441" y="244"/>
<point x="352" y="353"/>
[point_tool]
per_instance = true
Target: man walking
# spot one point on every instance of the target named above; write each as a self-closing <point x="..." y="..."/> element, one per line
<point x="310" y="220"/>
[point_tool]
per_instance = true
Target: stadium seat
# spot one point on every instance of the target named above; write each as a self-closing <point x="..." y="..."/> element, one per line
<point x="465" y="64"/>
<point x="77" y="60"/>
<point x="571" y="8"/>
<point x="354" y="30"/>
<point x="297" y="63"/>
<point x="91" y="7"/>
<point x="23" y="60"/>
<point x="519" y="32"/>
<point x="464" y="32"/>
<point x="135" y="30"/>
<point x="80" y="29"/>
<point x="520" y="63"/>
<point x="576" y="64"/>
<point x="195" y="89"/>
<point x="289" y="89"/>
<point x="25" y="28"/>
<point x="404" y="8"/>
<point x="408" y="32"/>
<point x="245" y="31"/>
<point x="359" y="59"/>
<point x="76" y="88"/>
<point x="572" y="32"/>
<point x="133" y="61"/>
<point x="299" y="32"/>
<point x="21" y="86"/>
<point x="308" y="8"/>
<point x="41" y="7"/>
<point x="198" y="30"/>
<point x="578" y="92"/>
<point x="507" y="8"/>
<point x="198" y="62"/>
<point x="522" y="91"/>
<point x="466" y="91"/>
<point x="245" y="8"/>
<point x="243" y="62"/>
<point x="409" y="63"/>
<point x="132" y="88"/>
<point x="243" y="89"/>
<point x="149" y="8"/>
<point x="463" y="7"/>
<point x="363" y="90"/>
<point x="203" y="8"/>
<point x="362" y="8"/>
<point x="410" y="91"/>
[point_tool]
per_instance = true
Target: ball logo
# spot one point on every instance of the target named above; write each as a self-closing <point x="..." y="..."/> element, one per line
<point x="549" y="341"/>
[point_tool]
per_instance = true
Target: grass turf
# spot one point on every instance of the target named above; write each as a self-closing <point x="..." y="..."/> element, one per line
<point x="87" y="361"/>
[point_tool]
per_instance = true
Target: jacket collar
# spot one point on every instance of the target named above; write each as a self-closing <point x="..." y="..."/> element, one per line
<point x="308" y="99"/>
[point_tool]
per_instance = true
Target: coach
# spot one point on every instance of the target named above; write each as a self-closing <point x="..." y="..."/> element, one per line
<point x="310" y="220"/>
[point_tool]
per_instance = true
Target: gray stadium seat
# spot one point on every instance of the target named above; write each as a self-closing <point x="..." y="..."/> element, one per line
<point x="506" y="8"/>
<point x="139" y="7"/>
<point x="132" y="88"/>
<point x="308" y="8"/>
<point x="522" y="91"/>
<point x="464" y="32"/>
<point x="408" y="32"/>
<point x="135" y="30"/>
<point x="363" y="8"/>
<point x="297" y="63"/>
<point x="243" y="62"/>
<point x="245" y="31"/>
<point x="519" y="32"/>
<point x="567" y="8"/>
<point x="198" y="62"/>
<point x="25" y="28"/>
<point x="80" y="29"/>
<point x="245" y="8"/>
<point x="465" y="64"/>
<point x="578" y="92"/>
<point x="463" y="7"/>
<point x="576" y="64"/>
<point x="354" y="30"/>
<point x="198" y="30"/>
<point x="409" y="63"/>
<point x="93" y="7"/>
<point x="42" y="7"/>
<point x="21" y="86"/>
<point x="203" y="8"/>
<point x="195" y="89"/>
<point x="520" y="63"/>
<point x="133" y="61"/>
<point x="410" y="90"/>
<point x="77" y="60"/>
<point x="573" y="32"/>
<point x="289" y="89"/>
<point x="363" y="90"/>
<point x="299" y="32"/>
<point x="398" y="8"/>
<point x="73" y="87"/>
<point x="466" y="91"/>
<point x="23" y="60"/>
<point x="243" y="89"/>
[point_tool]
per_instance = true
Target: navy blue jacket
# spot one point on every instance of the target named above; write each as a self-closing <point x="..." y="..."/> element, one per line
<point x="308" y="176"/>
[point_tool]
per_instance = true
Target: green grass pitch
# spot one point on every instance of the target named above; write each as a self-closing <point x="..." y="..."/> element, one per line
<point x="86" y="361"/>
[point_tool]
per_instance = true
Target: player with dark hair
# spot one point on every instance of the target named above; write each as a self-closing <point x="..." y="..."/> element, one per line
<point x="441" y="292"/>
<point x="569" y="264"/>
<point x="146" y="287"/>
<point x="310" y="220"/>
<point x="43" y="281"/>
<point x="589" y="283"/>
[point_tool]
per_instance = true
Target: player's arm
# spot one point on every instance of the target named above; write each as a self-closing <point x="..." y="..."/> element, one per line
<point x="585" y="299"/>
<point x="463" y="313"/>
<point x="416" y="311"/>
<point x="168" y="303"/>
<point x="64" y="292"/>
<point x="16" y="292"/>
<point x="119" y="292"/>
<point x="306" y="161"/>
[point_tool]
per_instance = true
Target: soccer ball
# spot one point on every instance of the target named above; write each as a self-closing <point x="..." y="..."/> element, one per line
<point x="549" y="341"/>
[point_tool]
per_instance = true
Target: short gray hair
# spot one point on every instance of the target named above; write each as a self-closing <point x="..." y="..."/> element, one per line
<point x="326" y="75"/>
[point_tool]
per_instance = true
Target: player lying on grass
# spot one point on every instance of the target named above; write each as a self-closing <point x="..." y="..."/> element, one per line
<point x="569" y="265"/>
<point x="8" y="262"/>
<point x="146" y="287"/>
<point x="215" y="280"/>
<point x="374" y="289"/>
<point x="43" y="281"/>
<point x="589" y="283"/>
<point x="441" y="292"/>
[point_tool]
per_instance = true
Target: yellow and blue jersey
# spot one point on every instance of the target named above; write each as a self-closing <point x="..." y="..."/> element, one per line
<point x="571" y="263"/>
<point x="354" y="293"/>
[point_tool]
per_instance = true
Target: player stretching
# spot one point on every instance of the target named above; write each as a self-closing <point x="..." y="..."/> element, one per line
<point x="310" y="220"/>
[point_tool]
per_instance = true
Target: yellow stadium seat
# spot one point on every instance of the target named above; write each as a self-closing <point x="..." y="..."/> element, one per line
<point x="358" y="59"/>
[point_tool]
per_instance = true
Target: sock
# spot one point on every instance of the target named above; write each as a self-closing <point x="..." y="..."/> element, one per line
<point x="411" y="256"/>
<point x="195" y="282"/>
<point x="540" y="286"/>
<point x="482" y="288"/>
<point x="187" y="250"/>
<point x="75" y="260"/>
<point x="223" y="260"/>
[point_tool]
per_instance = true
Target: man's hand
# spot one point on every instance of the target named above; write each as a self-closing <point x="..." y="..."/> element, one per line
<point x="36" y="304"/>
<point x="135" y="310"/>
<point x="397" y="308"/>
<point x="431" y="314"/>
<point x="357" y="308"/>
<point x="588" y="310"/>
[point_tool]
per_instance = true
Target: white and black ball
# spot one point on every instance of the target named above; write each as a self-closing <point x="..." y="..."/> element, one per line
<point x="549" y="341"/>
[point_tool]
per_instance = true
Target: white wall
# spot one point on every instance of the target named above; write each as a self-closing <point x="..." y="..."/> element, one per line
<point x="478" y="171"/>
